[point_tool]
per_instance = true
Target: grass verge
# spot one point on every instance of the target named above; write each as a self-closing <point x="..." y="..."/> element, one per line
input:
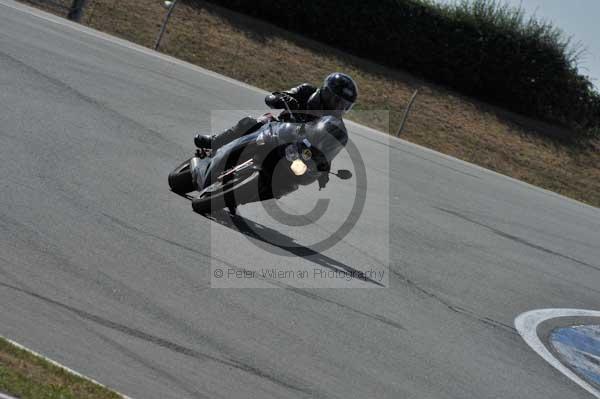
<point x="265" y="56"/>
<point x="27" y="376"/>
<point x="484" y="48"/>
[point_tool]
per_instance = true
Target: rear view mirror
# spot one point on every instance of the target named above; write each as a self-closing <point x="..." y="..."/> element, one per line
<point x="344" y="174"/>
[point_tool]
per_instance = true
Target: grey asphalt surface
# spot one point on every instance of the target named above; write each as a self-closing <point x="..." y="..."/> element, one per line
<point x="105" y="270"/>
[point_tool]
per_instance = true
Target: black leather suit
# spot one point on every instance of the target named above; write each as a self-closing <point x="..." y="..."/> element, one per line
<point x="325" y="128"/>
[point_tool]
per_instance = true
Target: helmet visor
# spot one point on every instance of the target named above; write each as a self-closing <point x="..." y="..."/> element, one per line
<point x="336" y="102"/>
<point x="343" y="104"/>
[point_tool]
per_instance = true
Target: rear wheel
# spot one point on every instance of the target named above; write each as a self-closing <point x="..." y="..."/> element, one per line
<point x="228" y="194"/>
<point x="180" y="179"/>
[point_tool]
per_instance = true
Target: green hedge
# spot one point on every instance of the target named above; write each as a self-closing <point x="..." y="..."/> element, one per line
<point x="482" y="48"/>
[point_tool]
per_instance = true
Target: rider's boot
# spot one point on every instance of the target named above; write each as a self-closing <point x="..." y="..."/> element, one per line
<point x="203" y="141"/>
<point x="216" y="141"/>
<point x="243" y="127"/>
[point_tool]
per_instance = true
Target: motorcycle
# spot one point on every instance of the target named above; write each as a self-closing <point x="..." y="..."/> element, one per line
<point x="259" y="166"/>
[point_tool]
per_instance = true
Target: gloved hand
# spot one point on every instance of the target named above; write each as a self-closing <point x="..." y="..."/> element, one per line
<point x="288" y="99"/>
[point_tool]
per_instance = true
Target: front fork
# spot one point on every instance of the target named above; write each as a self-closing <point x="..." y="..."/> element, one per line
<point x="194" y="168"/>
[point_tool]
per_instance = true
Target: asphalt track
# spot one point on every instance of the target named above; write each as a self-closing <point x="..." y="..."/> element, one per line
<point x="106" y="271"/>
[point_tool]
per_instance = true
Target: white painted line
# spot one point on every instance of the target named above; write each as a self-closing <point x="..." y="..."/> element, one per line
<point x="527" y="324"/>
<point x="18" y="345"/>
<point x="132" y="46"/>
<point x="3" y="396"/>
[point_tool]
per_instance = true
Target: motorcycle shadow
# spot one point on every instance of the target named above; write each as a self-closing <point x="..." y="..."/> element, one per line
<point x="268" y="239"/>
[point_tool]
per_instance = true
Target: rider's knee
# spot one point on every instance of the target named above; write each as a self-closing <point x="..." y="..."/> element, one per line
<point x="245" y="125"/>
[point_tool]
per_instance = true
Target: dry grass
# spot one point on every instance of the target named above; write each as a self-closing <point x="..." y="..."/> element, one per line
<point x="27" y="376"/>
<point x="268" y="57"/>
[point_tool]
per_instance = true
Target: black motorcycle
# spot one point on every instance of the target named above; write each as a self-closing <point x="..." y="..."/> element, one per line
<point x="266" y="164"/>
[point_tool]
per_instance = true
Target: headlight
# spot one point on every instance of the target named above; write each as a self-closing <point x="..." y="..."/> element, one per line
<point x="298" y="167"/>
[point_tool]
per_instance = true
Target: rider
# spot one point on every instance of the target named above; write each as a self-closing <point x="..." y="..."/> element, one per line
<point x="309" y="105"/>
<point x="337" y="96"/>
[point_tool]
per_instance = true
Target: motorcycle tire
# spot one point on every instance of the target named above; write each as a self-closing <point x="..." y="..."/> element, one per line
<point x="180" y="179"/>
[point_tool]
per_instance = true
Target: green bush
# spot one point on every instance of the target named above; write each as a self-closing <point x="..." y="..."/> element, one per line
<point x="480" y="47"/>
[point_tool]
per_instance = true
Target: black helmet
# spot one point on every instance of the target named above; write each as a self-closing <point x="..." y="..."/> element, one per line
<point x="339" y="92"/>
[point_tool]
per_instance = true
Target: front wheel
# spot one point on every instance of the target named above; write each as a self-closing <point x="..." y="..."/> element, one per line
<point x="180" y="179"/>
